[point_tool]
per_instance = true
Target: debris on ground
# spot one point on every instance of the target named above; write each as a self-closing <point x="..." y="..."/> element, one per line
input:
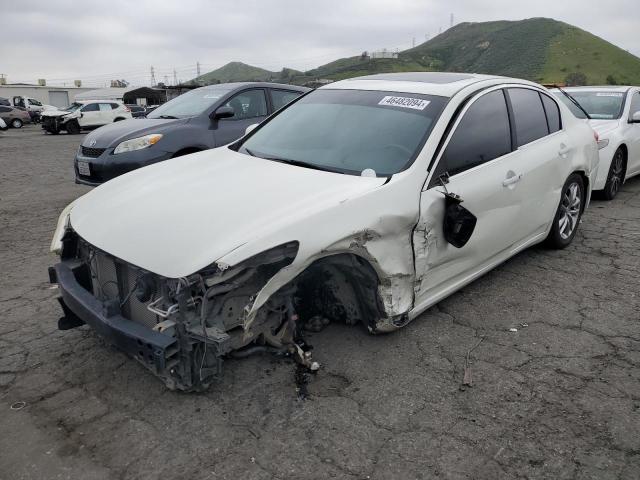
<point x="467" y="380"/>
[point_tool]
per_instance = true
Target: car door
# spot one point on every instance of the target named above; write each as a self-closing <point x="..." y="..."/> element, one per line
<point x="106" y="113"/>
<point x="543" y="151"/>
<point x="479" y="159"/>
<point x="633" y="136"/>
<point x="249" y="107"/>
<point x="90" y="115"/>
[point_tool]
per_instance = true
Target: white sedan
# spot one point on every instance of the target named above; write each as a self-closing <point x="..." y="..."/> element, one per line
<point x="365" y="201"/>
<point x="615" y="115"/>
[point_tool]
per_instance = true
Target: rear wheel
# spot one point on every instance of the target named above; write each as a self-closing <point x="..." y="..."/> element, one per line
<point x="567" y="218"/>
<point x="73" y="127"/>
<point x="615" y="176"/>
<point x="16" y="123"/>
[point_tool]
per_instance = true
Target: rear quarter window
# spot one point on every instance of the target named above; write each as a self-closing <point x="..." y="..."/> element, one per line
<point x="553" y="113"/>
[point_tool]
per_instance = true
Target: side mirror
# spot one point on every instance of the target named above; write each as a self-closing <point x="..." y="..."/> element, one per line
<point x="250" y="128"/>
<point x="222" y="112"/>
<point x="635" y="118"/>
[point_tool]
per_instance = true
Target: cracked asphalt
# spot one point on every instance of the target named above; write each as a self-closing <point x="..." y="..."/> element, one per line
<point x="558" y="399"/>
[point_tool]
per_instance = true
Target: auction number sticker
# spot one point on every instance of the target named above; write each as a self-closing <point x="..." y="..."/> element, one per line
<point x="608" y="94"/>
<point x="404" y="102"/>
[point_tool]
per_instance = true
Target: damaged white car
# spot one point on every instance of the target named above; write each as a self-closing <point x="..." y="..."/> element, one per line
<point x="365" y="201"/>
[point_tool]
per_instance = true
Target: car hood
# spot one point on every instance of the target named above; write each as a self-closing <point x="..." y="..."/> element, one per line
<point x="55" y="113"/>
<point x="112" y="134"/>
<point x="604" y="126"/>
<point x="176" y="217"/>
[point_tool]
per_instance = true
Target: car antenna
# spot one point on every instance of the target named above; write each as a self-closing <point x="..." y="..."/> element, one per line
<point x="573" y="100"/>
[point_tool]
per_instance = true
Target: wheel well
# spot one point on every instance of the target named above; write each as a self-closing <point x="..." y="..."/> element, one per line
<point x="186" y="151"/>
<point x="585" y="180"/>
<point x="118" y="119"/>
<point x="341" y="287"/>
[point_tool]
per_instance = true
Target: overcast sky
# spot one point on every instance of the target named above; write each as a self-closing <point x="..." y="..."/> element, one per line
<point x="97" y="41"/>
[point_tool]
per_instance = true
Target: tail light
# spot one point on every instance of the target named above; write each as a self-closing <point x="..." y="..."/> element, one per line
<point x="127" y="109"/>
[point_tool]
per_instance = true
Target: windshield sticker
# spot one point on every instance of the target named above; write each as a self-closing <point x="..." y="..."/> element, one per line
<point x="404" y="102"/>
<point x="608" y="94"/>
<point x="212" y="96"/>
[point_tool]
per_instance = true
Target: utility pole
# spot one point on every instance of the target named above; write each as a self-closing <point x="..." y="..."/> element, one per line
<point x="175" y="77"/>
<point x="414" y="41"/>
<point x="153" y="77"/>
<point x="198" y="68"/>
<point x="451" y="21"/>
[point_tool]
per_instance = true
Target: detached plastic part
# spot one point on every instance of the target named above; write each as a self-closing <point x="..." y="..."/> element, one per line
<point x="459" y="223"/>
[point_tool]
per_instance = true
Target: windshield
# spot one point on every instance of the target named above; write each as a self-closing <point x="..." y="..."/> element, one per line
<point x="601" y="105"/>
<point x="190" y="104"/>
<point x="73" y="107"/>
<point x="349" y="131"/>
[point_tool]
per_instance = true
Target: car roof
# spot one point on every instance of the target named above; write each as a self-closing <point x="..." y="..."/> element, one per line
<point x="445" y="84"/>
<point x="596" y="88"/>
<point x="233" y="86"/>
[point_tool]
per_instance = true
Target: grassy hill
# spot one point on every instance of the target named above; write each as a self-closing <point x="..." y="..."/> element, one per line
<point x="539" y="49"/>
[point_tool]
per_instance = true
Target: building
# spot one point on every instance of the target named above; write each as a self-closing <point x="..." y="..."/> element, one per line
<point x="60" y="97"/>
<point x="384" y="53"/>
<point x="128" y="95"/>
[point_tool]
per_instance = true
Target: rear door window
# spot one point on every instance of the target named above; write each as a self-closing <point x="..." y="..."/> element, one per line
<point x="280" y="98"/>
<point x="553" y="113"/>
<point x="91" y="107"/>
<point x="105" y="107"/>
<point x="528" y="115"/>
<point x="482" y="135"/>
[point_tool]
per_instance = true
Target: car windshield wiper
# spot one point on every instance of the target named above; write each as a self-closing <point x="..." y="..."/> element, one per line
<point x="168" y="117"/>
<point x="574" y="101"/>
<point x="297" y="163"/>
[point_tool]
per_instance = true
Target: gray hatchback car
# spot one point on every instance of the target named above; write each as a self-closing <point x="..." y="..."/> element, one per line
<point x="203" y="118"/>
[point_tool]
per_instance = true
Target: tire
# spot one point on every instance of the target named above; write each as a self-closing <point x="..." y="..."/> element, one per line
<point x="73" y="127"/>
<point x="16" y="123"/>
<point x="615" y="177"/>
<point x="568" y="214"/>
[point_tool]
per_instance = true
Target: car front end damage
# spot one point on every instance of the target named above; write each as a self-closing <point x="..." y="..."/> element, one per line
<point x="181" y="329"/>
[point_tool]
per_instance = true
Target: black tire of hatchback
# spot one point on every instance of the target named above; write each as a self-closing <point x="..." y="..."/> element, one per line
<point x="615" y="177"/>
<point x="16" y="123"/>
<point x="73" y="127"/>
<point x="558" y="237"/>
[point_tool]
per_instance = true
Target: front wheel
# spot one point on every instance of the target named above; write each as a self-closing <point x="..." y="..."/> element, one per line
<point x="567" y="218"/>
<point x="73" y="127"/>
<point x="16" y="123"/>
<point x="615" y="177"/>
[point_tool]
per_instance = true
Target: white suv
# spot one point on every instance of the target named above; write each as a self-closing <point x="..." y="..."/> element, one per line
<point x="84" y="114"/>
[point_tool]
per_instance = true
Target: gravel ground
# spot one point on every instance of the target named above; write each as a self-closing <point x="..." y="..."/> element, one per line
<point x="559" y="398"/>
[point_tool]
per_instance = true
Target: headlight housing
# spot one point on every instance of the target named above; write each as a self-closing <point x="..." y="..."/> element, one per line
<point x="61" y="228"/>
<point x="138" y="143"/>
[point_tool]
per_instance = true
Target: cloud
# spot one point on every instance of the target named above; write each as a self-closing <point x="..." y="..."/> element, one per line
<point x="98" y="41"/>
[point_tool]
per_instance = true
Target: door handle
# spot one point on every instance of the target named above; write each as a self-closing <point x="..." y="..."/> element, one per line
<point x="511" y="180"/>
<point x="563" y="150"/>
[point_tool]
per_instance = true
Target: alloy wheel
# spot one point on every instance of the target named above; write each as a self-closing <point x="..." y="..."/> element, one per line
<point x="617" y="167"/>
<point x="569" y="210"/>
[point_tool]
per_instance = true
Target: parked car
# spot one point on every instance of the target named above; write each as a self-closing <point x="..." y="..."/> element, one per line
<point x="365" y="201"/>
<point x="203" y="118"/>
<point x="3" y="125"/>
<point x="31" y="105"/>
<point x="14" y="116"/>
<point x="5" y="101"/>
<point x="137" y="111"/>
<point x="615" y="115"/>
<point x="86" y="114"/>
